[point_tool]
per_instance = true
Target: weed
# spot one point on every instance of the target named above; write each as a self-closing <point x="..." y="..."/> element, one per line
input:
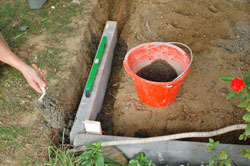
<point x="245" y="153"/>
<point x="214" y="159"/>
<point x="241" y="88"/>
<point x="141" y="160"/>
<point x="63" y="157"/>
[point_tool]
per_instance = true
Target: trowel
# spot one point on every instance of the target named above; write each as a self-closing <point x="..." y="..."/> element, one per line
<point x="47" y="106"/>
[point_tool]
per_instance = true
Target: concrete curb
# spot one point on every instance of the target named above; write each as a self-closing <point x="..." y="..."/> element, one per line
<point x="90" y="107"/>
<point x="169" y="152"/>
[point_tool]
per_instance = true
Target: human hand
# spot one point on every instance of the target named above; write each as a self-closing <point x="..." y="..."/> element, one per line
<point x="34" y="78"/>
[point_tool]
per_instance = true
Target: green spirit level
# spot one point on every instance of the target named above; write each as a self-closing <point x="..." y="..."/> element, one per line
<point x="95" y="66"/>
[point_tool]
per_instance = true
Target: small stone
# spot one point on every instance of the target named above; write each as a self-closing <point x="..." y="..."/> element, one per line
<point x="52" y="7"/>
<point x="66" y="132"/>
<point x="244" y="72"/>
<point x="213" y="9"/>
<point x="178" y="98"/>
<point x="222" y="116"/>
<point x="223" y="90"/>
<point x="23" y="28"/>
<point x="70" y="123"/>
<point x="75" y="1"/>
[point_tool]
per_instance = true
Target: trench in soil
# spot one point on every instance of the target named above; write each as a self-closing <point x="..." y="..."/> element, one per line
<point x="216" y="40"/>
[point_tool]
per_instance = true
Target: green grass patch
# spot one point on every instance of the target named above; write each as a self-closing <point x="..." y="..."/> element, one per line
<point x="11" y="137"/>
<point x="14" y="14"/>
<point x="15" y="94"/>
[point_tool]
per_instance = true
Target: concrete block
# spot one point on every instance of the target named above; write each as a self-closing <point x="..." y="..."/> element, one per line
<point x="90" y="107"/>
<point x="168" y="152"/>
<point x="36" y="4"/>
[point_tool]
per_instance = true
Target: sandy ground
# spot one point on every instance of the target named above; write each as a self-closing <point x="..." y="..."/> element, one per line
<point x="218" y="33"/>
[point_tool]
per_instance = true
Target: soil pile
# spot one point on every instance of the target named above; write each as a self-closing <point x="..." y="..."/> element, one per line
<point x="158" y="71"/>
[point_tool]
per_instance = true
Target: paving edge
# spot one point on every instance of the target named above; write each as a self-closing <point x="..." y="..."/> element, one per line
<point x="168" y="152"/>
<point x="90" y="107"/>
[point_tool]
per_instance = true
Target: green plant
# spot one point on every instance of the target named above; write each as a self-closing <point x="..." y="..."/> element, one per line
<point x="179" y="165"/>
<point x="245" y="153"/>
<point x="241" y="88"/>
<point x="92" y="157"/>
<point x="141" y="160"/>
<point x="214" y="159"/>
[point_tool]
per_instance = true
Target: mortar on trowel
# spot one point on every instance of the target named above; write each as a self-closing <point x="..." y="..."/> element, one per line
<point x="48" y="107"/>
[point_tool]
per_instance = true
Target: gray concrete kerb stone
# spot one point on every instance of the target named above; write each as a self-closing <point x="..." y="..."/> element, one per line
<point x="169" y="152"/>
<point x="90" y="106"/>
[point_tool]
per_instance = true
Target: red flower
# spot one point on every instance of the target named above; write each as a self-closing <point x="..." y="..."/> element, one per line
<point x="237" y="84"/>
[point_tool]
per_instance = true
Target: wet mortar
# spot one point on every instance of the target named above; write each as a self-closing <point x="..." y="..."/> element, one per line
<point x="158" y="71"/>
<point x="50" y="111"/>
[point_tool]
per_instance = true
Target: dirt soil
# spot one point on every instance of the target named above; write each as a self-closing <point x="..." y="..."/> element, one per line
<point x="217" y="31"/>
<point x="158" y="71"/>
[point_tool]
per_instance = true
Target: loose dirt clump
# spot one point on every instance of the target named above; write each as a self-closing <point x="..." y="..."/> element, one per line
<point x="158" y="71"/>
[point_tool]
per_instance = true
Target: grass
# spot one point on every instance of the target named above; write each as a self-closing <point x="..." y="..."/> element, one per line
<point x="15" y="95"/>
<point x="11" y="136"/>
<point x="93" y="156"/>
<point x="14" y="14"/>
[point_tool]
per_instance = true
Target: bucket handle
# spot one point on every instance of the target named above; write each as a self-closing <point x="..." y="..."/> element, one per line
<point x="178" y="43"/>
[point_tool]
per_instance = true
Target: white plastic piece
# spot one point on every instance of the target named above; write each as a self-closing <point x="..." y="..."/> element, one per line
<point x="93" y="127"/>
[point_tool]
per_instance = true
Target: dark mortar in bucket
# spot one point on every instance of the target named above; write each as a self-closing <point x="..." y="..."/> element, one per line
<point x="158" y="71"/>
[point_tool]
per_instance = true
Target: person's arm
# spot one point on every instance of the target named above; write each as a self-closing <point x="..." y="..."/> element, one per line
<point x="7" y="56"/>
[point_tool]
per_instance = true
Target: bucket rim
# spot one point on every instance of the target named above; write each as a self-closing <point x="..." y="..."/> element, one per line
<point x="178" y="79"/>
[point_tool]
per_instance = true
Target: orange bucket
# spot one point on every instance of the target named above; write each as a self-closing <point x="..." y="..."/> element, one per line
<point x="157" y="94"/>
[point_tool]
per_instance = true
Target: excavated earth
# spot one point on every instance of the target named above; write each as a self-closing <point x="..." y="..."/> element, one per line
<point x="217" y="31"/>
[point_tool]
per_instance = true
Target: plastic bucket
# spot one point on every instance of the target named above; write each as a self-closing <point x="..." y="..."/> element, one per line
<point x="157" y="94"/>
